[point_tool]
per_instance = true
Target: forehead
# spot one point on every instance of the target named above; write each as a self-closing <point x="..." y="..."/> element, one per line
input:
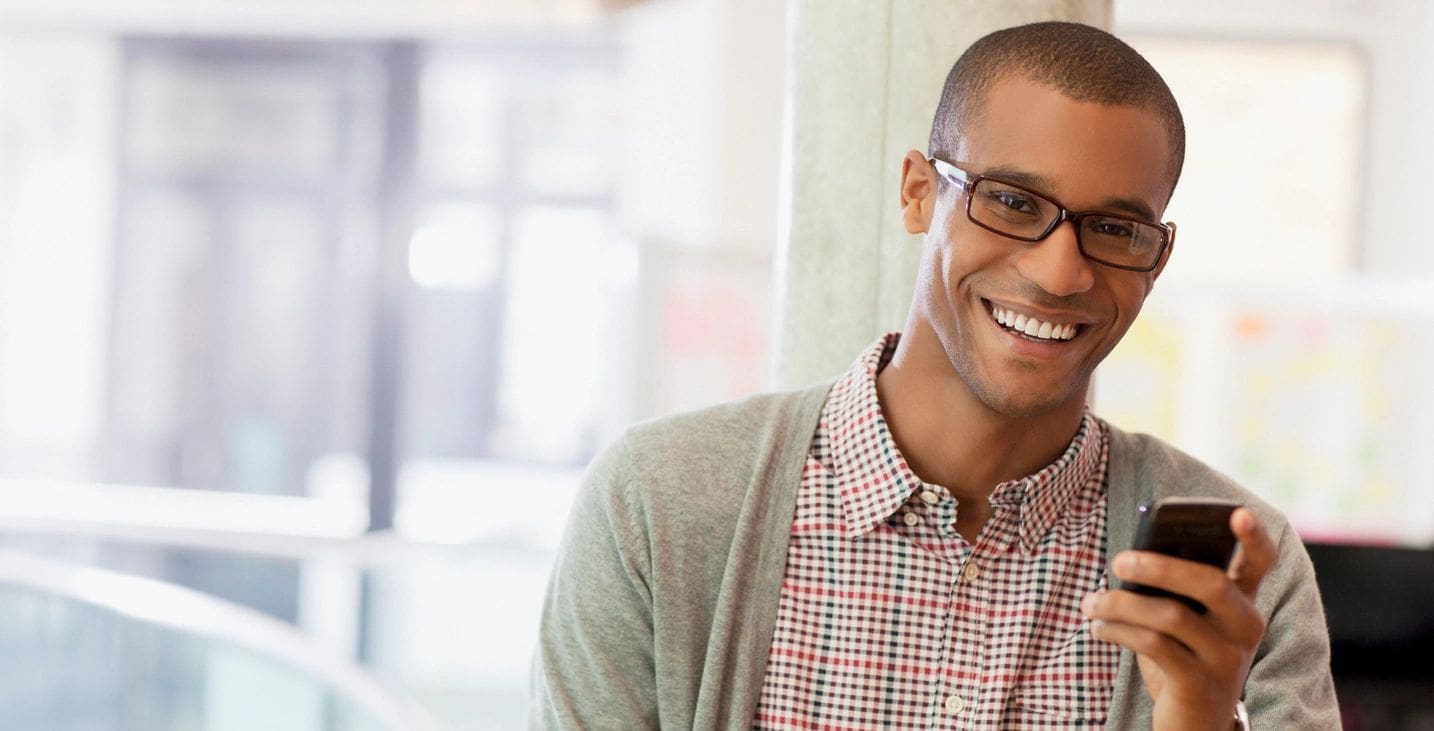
<point x="1083" y="153"/>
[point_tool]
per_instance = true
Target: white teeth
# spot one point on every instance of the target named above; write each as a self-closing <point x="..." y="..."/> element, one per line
<point x="1031" y="326"/>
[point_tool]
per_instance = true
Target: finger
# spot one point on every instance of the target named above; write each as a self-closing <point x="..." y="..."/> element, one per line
<point x="1175" y="659"/>
<point x="1228" y="608"/>
<point x="1255" y="553"/>
<point x="1158" y="614"/>
<point x="1201" y="582"/>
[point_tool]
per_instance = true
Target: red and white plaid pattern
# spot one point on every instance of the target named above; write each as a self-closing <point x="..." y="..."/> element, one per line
<point x="890" y="619"/>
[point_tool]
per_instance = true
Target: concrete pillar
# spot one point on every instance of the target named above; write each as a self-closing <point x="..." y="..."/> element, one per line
<point x="863" y="80"/>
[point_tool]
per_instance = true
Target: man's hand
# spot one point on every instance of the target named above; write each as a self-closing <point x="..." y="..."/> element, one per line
<point x="1194" y="665"/>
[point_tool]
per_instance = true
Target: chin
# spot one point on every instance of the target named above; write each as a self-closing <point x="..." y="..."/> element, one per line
<point x="1022" y="408"/>
<point x="1027" y="405"/>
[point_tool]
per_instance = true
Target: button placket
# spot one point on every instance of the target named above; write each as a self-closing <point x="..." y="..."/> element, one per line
<point x="962" y="698"/>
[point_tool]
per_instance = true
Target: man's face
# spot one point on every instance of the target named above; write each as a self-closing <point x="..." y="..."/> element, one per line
<point x="1090" y="157"/>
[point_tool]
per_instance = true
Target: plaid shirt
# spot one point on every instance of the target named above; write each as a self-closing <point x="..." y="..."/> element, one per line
<point x="888" y="618"/>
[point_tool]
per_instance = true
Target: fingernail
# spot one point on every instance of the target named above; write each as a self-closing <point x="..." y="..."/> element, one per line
<point x="1124" y="562"/>
<point x="1096" y="626"/>
<point x="1087" y="604"/>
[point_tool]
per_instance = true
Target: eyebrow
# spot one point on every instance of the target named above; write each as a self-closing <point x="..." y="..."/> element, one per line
<point x="1040" y="183"/>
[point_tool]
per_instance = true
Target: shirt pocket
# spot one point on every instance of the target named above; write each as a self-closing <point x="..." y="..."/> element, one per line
<point x="1070" y="679"/>
<point x="1082" y="704"/>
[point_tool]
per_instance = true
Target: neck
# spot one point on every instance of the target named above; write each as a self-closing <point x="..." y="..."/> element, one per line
<point x="950" y="437"/>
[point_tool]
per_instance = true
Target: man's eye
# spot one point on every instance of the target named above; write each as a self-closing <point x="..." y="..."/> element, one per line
<point x="1014" y="201"/>
<point x="1115" y="229"/>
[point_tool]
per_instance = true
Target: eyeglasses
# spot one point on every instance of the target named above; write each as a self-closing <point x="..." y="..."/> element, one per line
<point x="1020" y="213"/>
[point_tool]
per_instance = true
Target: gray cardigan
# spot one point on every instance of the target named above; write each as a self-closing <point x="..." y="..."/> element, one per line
<point x="662" y="604"/>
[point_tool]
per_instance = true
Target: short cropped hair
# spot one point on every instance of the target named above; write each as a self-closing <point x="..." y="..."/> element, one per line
<point x="1084" y="63"/>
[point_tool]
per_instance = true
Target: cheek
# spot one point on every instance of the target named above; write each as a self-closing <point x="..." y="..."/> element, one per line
<point x="973" y="261"/>
<point x="952" y="252"/>
<point x="952" y="272"/>
<point x="1132" y="297"/>
<point x="1129" y="300"/>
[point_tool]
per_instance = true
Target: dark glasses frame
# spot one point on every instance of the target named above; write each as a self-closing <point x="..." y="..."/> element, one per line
<point x="967" y="183"/>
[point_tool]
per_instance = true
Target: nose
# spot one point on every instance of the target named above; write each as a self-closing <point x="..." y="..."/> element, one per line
<point x="1055" y="263"/>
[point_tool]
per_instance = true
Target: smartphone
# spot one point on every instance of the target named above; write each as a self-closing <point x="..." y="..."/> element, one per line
<point x="1195" y="529"/>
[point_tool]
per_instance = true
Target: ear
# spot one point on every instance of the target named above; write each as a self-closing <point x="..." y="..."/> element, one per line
<point x="918" y="192"/>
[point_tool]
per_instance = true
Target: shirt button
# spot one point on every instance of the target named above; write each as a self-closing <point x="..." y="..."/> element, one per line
<point x="971" y="571"/>
<point x="930" y="497"/>
<point x="954" y="704"/>
<point x="912" y="519"/>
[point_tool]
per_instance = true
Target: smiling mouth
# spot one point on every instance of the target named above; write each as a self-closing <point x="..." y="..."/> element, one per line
<point x="1031" y="327"/>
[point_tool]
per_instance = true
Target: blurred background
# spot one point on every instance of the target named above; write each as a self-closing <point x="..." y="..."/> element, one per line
<point x="319" y="311"/>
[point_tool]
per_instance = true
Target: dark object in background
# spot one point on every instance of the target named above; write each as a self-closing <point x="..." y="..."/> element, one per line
<point x="1380" y="604"/>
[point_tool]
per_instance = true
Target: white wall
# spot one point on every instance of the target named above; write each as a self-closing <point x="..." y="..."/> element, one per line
<point x="1399" y="151"/>
<point x="703" y="92"/>
<point x="704" y="98"/>
<point x="321" y="18"/>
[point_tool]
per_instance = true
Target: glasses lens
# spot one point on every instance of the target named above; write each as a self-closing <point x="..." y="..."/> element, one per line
<point x="1121" y="241"/>
<point x="1010" y="210"/>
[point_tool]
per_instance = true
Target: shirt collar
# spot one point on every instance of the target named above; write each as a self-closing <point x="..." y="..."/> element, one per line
<point x="875" y="480"/>
<point x="1042" y="498"/>
<point x="871" y="472"/>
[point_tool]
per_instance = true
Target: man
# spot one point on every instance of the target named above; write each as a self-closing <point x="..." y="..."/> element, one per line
<point x="924" y="542"/>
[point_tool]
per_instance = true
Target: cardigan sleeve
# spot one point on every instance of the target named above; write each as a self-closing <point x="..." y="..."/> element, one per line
<point x="1289" y="685"/>
<point x="594" y="666"/>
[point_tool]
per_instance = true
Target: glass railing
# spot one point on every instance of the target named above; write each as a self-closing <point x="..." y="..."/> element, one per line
<point x="86" y="648"/>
